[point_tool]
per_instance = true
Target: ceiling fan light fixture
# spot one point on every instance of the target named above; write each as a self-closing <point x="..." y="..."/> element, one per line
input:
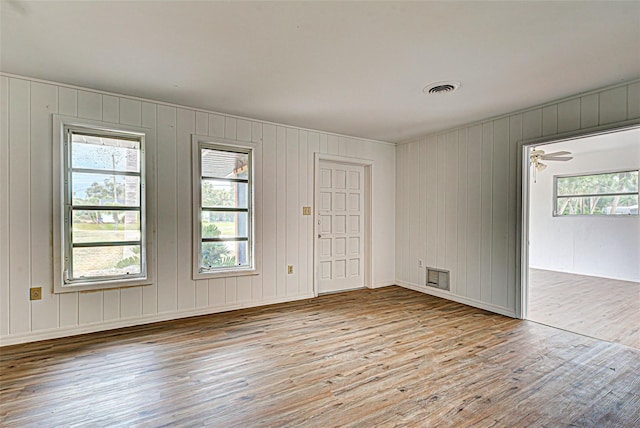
<point x="540" y="166"/>
<point x="443" y="87"/>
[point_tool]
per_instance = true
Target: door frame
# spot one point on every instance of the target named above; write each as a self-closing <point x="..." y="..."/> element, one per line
<point x="368" y="214"/>
<point x="524" y="195"/>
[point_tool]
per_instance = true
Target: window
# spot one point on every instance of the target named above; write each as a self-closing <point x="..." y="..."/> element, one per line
<point x="223" y="221"/>
<point x="102" y="208"/>
<point x="614" y="193"/>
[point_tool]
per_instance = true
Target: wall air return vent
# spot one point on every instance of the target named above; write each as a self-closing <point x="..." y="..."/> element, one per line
<point x="438" y="278"/>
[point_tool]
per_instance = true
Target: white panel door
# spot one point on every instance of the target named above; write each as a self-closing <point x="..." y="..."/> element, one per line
<point x="340" y="227"/>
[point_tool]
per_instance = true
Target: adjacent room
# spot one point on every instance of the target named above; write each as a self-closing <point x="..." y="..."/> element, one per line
<point x="285" y="214"/>
<point x="584" y="259"/>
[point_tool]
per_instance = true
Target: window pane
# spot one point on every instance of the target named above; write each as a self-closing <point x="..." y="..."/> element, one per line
<point x="222" y="164"/>
<point x="105" y="226"/>
<point x="216" y="224"/>
<point x="99" y="189"/>
<point x="617" y="182"/>
<point x="105" y="153"/>
<point x="598" y="205"/>
<point x="224" y="254"/>
<point x="216" y="194"/>
<point x="106" y="261"/>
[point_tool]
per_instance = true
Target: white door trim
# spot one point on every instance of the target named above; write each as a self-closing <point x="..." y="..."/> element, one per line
<point x="522" y="291"/>
<point x="368" y="165"/>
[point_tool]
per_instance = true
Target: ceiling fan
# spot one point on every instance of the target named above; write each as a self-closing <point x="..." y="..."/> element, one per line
<point x="536" y="156"/>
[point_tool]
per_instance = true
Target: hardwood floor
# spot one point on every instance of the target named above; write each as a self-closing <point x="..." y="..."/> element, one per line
<point x="386" y="357"/>
<point x="603" y="308"/>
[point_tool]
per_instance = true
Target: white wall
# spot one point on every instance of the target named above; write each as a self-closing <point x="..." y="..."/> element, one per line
<point x="600" y="246"/>
<point x="26" y="256"/>
<point x="457" y="198"/>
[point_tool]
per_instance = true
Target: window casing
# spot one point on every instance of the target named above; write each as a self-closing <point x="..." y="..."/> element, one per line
<point x="101" y="211"/>
<point x="223" y="210"/>
<point x="597" y="194"/>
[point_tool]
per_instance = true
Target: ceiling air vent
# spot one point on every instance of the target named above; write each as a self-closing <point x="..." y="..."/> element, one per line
<point x="441" y="87"/>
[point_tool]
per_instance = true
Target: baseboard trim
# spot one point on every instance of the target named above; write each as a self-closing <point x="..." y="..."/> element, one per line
<point x="56" y="333"/>
<point x="460" y="299"/>
<point x="383" y="284"/>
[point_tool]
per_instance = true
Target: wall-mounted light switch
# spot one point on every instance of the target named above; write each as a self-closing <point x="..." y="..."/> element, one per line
<point x="306" y="210"/>
<point x="290" y="269"/>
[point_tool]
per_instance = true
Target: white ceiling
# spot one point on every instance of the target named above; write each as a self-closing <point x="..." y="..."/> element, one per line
<point x="355" y="68"/>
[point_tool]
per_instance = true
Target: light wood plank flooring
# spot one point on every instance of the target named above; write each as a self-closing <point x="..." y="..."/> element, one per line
<point x="386" y="357"/>
<point x="603" y="308"/>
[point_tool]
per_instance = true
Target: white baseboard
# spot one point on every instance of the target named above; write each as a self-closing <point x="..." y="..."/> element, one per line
<point x="383" y="284"/>
<point x="460" y="299"/>
<point x="36" y="336"/>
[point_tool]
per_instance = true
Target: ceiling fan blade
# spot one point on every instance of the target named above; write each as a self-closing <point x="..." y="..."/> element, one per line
<point x="563" y="159"/>
<point x="558" y="153"/>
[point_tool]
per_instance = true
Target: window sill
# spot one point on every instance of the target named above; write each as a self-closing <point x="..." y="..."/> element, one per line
<point x="227" y="273"/>
<point x="106" y="285"/>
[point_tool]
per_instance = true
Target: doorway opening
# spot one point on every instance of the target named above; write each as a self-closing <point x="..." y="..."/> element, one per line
<point x="581" y="243"/>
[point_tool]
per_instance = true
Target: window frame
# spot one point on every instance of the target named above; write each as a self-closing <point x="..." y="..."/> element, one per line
<point x="202" y="142"/>
<point x="62" y="209"/>
<point x="556" y="197"/>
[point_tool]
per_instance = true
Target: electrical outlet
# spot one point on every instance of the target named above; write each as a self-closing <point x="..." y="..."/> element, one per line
<point x="35" y="293"/>
<point x="306" y="210"/>
<point x="420" y="263"/>
<point x="290" y="269"/>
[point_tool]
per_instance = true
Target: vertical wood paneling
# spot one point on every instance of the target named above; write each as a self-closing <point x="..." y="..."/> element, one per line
<point x="111" y="304"/>
<point x="243" y="132"/>
<point x="44" y="102"/>
<point x="186" y="125"/>
<point x="487" y="211"/>
<point x="474" y="211"/>
<point x="230" y="290"/>
<point x="550" y="120"/>
<point x="284" y="163"/>
<point x="4" y="206"/>
<point x="633" y="101"/>
<point x="19" y="206"/>
<point x="400" y="212"/>
<point x="613" y="105"/>
<point x="130" y="112"/>
<point x="423" y="210"/>
<point x="243" y="284"/>
<point x="281" y="210"/>
<point x="314" y="145"/>
<point x="413" y="213"/>
<point x="589" y="111"/>
<point x="202" y="123"/>
<point x="500" y="212"/>
<point x="515" y="207"/>
<point x="89" y="105"/>
<point x="269" y="212"/>
<point x="461" y="245"/>
<point x="256" y="132"/>
<point x="68" y="312"/>
<point x="167" y="210"/>
<point x="292" y="213"/>
<point x="569" y="115"/>
<point x="440" y="203"/>
<point x="216" y="125"/>
<point x="90" y="307"/>
<point x="150" y="292"/>
<point x="451" y="207"/>
<point x="432" y="195"/>
<point x="216" y="292"/>
<point x="110" y="109"/>
<point x="304" y="234"/>
<point x="230" y="128"/>
<point x="68" y="101"/>
<point x="532" y="124"/>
